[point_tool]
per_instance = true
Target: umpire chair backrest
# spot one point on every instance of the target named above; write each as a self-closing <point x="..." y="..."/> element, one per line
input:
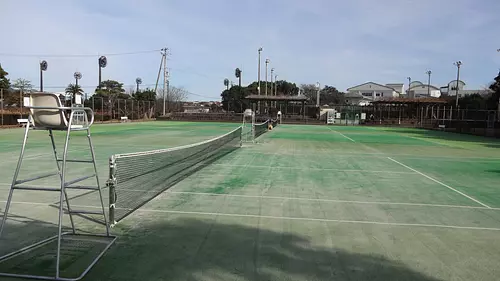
<point x="52" y="118"/>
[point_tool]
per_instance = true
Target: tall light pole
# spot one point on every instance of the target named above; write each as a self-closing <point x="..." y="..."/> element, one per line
<point x="43" y="67"/>
<point x="317" y="94"/>
<point x="272" y="85"/>
<point x="429" y="83"/>
<point x="103" y="62"/>
<point x="77" y="76"/>
<point x="409" y="84"/>
<point x="138" y="81"/>
<point x="258" y="75"/>
<point x="275" y="85"/>
<point x="457" y="64"/>
<point x="267" y="64"/>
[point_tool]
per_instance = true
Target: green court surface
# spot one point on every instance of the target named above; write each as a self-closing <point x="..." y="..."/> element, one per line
<point x="302" y="203"/>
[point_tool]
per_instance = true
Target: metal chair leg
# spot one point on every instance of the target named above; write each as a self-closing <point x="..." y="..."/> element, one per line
<point x="60" y="177"/>
<point x="14" y="179"/>
<point x="97" y="180"/>
<point x="61" y="197"/>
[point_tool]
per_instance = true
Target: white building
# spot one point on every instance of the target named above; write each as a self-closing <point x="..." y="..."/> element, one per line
<point x="451" y="89"/>
<point x="418" y="89"/>
<point x="365" y="93"/>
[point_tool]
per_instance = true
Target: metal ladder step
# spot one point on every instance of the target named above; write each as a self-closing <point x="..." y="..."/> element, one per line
<point x="38" y="177"/>
<point x="86" y="212"/>
<point x="27" y="187"/>
<point x="68" y="183"/>
<point x="82" y="187"/>
<point x="76" y="161"/>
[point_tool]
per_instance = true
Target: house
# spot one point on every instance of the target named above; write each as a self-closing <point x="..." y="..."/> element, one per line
<point x="365" y="93"/>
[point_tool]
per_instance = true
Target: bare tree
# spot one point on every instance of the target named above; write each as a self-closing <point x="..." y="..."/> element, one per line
<point x="173" y="97"/>
<point x="309" y="90"/>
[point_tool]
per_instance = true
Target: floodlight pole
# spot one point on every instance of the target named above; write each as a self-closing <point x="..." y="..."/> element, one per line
<point x="317" y="94"/>
<point x="258" y="75"/>
<point x="267" y="63"/>
<point x="429" y="83"/>
<point x="258" y="79"/>
<point x="272" y="85"/>
<point x="409" y="84"/>
<point x="457" y="64"/>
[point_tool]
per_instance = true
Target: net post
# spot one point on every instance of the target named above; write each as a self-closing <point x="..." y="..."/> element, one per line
<point x="111" y="183"/>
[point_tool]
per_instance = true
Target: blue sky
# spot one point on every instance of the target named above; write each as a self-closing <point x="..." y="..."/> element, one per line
<point x="339" y="43"/>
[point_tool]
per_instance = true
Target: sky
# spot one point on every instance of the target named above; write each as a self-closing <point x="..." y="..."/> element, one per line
<point x="336" y="43"/>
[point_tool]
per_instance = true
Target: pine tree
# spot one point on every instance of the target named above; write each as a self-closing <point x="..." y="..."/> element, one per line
<point x="4" y="81"/>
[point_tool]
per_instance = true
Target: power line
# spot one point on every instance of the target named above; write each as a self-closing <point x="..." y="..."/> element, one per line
<point x="75" y="55"/>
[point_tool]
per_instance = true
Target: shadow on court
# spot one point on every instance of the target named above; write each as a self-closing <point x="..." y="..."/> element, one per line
<point x="192" y="249"/>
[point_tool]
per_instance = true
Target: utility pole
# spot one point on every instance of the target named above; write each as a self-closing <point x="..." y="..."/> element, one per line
<point x="165" y="76"/>
<point x="429" y="83"/>
<point x="457" y="64"/>
<point x="409" y="84"/>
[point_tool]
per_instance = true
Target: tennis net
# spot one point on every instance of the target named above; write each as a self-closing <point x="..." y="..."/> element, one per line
<point x="136" y="178"/>
<point x="260" y="129"/>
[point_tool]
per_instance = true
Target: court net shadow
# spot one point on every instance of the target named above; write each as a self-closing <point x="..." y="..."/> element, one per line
<point x="192" y="249"/>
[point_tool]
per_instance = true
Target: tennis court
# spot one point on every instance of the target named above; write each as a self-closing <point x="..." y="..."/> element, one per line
<point x="303" y="203"/>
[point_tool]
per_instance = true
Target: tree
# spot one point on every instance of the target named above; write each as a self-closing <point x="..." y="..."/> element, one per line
<point x="145" y="95"/>
<point x="330" y="95"/>
<point x="310" y="91"/>
<point x="73" y="90"/>
<point x="110" y="91"/>
<point x="22" y="85"/>
<point x="233" y="99"/>
<point x="475" y="101"/>
<point x="4" y="81"/>
<point x="286" y="88"/>
<point x="493" y="101"/>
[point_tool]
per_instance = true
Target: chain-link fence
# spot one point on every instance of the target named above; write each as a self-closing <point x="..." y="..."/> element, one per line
<point x="12" y="108"/>
<point x="110" y="110"/>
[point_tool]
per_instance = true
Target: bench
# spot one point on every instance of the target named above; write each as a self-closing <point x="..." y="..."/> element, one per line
<point x="124" y="119"/>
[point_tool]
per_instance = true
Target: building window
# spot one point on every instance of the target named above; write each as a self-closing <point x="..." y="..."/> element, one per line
<point x="377" y="94"/>
<point x="367" y="94"/>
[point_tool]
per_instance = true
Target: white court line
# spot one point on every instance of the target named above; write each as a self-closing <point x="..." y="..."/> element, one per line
<point x="376" y="155"/>
<point x="308" y="168"/>
<point x="289" y="218"/>
<point x="334" y="200"/>
<point x="309" y="199"/>
<point x="341" y="134"/>
<point x="445" y="185"/>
